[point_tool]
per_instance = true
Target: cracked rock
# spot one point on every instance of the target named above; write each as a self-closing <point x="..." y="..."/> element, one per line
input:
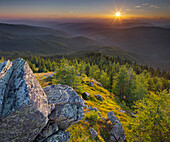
<point x="68" y="110"/>
<point x="23" y="103"/>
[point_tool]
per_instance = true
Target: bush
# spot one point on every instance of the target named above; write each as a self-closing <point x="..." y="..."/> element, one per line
<point x="92" y="115"/>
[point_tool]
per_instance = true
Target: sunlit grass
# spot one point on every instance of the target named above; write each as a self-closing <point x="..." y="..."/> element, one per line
<point x="80" y="131"/>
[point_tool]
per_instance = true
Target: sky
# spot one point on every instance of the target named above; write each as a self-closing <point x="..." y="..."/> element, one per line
<point x="83" y="8"/>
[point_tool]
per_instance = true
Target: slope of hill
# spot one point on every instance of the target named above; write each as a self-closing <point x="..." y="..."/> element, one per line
<point x="97" y="120"/>
<point x="113" y="52"/>
<point x="25" y="40"/>
<point x="150" y="41"/>
<point x="29" y="30"/>
<point x="149" y="45"/>
<point x="137" y="37"/>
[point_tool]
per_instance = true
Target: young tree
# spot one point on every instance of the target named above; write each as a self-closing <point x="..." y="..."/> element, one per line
<point x="121" y="82"/>
<point x="104" y="79"/>
<point x="2" y="59"/>
<point x="67" y="75"/>
<point x="151" y="123"/>
<point x="87" y="69"/>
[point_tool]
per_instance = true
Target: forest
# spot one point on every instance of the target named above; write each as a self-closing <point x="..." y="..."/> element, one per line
<point x="139" y="88"/>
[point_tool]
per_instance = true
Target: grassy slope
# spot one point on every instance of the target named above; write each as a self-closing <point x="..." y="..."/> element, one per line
<point x="80" y="131"/>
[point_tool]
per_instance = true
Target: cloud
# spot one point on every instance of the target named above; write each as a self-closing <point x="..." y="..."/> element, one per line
<point x="71" y="12"/>
<point x="128" y="9"/>
<point x="138" y="6"/>
<point x="154" y="6"/>
<point x="145" y="4"/>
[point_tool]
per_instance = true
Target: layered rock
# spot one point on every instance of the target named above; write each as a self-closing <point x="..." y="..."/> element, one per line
<point x="23" y="103"/>
<point x="117" y="133"/>
<point x="27" y="114"/>
<point x="67" y="108"/>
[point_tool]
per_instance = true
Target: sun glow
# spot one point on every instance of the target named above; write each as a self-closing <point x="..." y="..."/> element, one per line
<point x="118" y="14"/>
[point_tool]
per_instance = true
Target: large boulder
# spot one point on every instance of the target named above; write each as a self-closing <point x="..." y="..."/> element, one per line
<point x="27" y="114"/>
<point x="23" y="103"/>
<point x="117" y="133"/>
<point x="67" y="108"/>
<point x="68" y="105"/>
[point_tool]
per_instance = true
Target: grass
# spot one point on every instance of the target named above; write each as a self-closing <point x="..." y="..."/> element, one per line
<point x="80" y="131"/>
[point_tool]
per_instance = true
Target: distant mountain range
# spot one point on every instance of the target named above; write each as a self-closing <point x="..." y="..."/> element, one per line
<point x="142" y="44"/>
<point x="139" y="38"/>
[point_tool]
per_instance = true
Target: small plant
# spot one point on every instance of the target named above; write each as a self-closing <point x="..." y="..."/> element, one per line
<point x="92" y="115"/>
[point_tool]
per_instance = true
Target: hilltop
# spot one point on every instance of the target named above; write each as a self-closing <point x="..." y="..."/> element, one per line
<point x="97" y="120"/>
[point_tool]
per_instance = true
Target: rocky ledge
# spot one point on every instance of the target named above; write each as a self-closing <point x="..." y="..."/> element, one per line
<point x="29" y="113"/>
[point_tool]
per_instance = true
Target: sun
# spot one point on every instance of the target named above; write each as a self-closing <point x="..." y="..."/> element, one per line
<point x="117" y="14"/>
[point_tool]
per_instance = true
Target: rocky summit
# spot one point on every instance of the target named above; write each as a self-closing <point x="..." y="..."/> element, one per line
<point x="26" y="114"/>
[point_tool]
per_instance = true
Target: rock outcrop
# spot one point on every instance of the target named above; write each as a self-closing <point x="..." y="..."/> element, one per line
<point x="67" y="108"/>
<point x="23" y="103"/>
<point x="117" y="133"/>
<point x="27" y="114"/>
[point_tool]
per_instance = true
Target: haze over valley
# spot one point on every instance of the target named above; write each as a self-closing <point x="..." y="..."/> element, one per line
<point x="137" y="40"/>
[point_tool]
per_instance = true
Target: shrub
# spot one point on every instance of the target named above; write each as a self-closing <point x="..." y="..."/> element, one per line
<point x="92" y="115"/>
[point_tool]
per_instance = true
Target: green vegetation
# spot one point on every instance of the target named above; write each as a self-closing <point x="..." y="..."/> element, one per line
<point x="152" y="120"/>
<point x="123" y="85"/>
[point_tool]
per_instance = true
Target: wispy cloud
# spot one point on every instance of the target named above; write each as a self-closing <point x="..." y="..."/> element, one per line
<point x="145" y="4"/>
<point x="138" y="6"/>
<point x="154" y="6"/>
<point x="128" y="9"/>
<point x="71" y="12"/>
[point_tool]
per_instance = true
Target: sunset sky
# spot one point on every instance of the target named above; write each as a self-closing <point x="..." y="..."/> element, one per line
<point x="83" y="8"/>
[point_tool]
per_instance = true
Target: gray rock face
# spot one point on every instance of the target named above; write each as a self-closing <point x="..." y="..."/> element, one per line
<point x="67" y="109"/>
<point x="27" y="114"/>
<point x="59" y="137"/>
<point x="93" y="133"/>
<point x="68" y="105"/>
<point x="23" y="103"/>
<point x="117" y="133"/>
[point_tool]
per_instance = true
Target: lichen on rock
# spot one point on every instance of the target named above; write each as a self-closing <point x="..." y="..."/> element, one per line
<point x="68" y="110"/>
<point x="23" y="103"/>
<point x="27" y="114"/>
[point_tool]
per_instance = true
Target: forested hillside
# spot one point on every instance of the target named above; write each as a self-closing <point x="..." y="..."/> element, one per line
<point x="138" y="95"/>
